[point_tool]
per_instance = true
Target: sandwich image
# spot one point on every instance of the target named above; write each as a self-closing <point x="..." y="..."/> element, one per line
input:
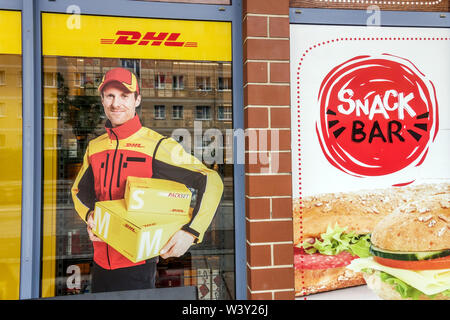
<point x="333" y="230"/>
<point x="410" y="252"/>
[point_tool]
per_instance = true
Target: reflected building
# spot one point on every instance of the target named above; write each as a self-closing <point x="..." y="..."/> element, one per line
<point x="177" y="96"/>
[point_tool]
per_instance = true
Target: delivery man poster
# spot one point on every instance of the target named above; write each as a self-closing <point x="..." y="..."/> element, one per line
<point x="156" y="224"/>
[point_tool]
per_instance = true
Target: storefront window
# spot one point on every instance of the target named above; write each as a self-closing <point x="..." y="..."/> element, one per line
<point x="170" y="101"/>
<point x="10" y="153"/>
<point x="228" y="2"/>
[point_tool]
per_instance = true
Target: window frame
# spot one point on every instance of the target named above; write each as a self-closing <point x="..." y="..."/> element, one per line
<point x="157" y="114"/>
<point x="177" y="82"/>
<point x="229" y="85"/>
<point x="32" y="116"/>
<point x="180" y="111"/>
<point x="158" y="84"/>
<point x="228" y="110"/>
<point x="204" y="108"/>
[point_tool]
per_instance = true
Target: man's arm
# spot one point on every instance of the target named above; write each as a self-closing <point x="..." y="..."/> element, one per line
<point x="173" y="163"/>
<point x="83" y="189"/>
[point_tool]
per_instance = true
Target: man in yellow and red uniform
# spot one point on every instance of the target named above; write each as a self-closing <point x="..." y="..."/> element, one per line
<point x="129" y="149"/>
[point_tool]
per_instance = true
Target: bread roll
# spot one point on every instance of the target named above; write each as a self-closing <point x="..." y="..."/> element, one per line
<point x="320" y="280"/>
<point x="360" y="212"/>
<point x="427" y="228"/>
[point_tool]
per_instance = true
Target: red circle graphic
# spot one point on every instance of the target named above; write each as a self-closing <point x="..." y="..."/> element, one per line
<point x="378" y="115"/>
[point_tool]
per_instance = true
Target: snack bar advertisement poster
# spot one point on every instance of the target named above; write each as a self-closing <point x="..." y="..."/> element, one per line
<point x="370" y="110"/>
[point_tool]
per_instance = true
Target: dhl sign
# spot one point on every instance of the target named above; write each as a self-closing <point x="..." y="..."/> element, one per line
<point x="10" y="41"/>
<point x="148" y="38"/>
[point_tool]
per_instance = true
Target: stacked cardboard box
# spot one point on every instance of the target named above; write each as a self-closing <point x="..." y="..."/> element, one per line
<point x="139" y="225"/>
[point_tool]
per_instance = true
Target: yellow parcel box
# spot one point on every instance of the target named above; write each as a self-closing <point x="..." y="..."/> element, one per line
<point x="138" y="236"/>
<point x="157" y="196"/>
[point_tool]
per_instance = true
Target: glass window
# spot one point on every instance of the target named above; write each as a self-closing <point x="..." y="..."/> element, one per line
<point x="80" y="78"/>
<point x="203" y="83"/>
<point x="225" y="113"/>
<point x="49" y="79"/>
<point x="160" y="112"/>
<point x="178" y="83"/>
<point x="173" y="83"/>
<point x="79" y="119"/>
<point x="10" y="154"/>
<point x="2" y="77"/>
<point x="177" y="112"/>
<point x="203" y="113"/>
<point x="160" y="81"/>
<point x="224" y="83"/>
<point x="195" y="1"/>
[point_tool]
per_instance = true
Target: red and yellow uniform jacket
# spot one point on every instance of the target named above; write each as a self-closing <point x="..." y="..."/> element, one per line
<point x="130" y="150"/>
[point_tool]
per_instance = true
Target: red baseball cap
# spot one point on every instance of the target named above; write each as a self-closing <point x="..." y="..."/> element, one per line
<point x="121" y="75"/>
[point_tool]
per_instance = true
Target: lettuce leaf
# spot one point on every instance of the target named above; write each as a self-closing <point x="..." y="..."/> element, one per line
<point x="404" y="289"/>
<point x="336" y="240"/>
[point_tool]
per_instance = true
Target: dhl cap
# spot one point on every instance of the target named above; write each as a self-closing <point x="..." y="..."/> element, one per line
<point x="121" y="75"/>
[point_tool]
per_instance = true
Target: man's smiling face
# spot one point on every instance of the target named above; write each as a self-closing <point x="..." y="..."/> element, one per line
<point x="119" y="104"/>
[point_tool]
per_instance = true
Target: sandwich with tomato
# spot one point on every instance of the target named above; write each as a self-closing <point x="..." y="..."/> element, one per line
<point x="410" y="252"/>
<point x="331" y="230"/>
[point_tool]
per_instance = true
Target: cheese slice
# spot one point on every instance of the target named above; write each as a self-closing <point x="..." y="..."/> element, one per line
<point x="428" y="281"/>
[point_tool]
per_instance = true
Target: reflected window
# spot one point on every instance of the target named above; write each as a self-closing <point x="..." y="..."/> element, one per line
<point x="74" y="116"/>
<point x="49" y="79"/>
<point x="10" y="173"/>
<point x="80" y="79"/>
<point x="224" y="83"/>
<point x="225" y="113"/>
<point x="178" y="82"/>
<point x="2" y="77"/>
<point x="160" y="112"/>
<point x="203" y="83"/>
<point x="160" y="81"/>
<point x="203" y="113"/>
<point x="177" y="112"/>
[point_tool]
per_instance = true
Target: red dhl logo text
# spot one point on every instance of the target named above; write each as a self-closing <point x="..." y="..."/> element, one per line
<point x="134" y="145"/>
<point x="178" y="210"/>
<point x="130" y="227"/>
<point x="167" y="39"/>
<point x="148" y="225"/>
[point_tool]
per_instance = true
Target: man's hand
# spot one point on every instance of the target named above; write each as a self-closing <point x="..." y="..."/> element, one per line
<point x="90" y="226"/>
<point x="177" y="245"/>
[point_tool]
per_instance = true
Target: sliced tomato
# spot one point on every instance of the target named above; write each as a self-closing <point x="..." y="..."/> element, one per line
<point x="433" y="264"/>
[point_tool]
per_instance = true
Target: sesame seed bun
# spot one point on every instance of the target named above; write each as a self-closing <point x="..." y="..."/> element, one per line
<point x="420" y="225"/>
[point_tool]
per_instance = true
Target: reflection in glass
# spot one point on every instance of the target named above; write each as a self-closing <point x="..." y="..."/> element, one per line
<point x="171" y="99"/>
<point x="10" y="173"/>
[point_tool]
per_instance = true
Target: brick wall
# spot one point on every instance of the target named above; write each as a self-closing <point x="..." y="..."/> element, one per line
<point x="270" y="273"/>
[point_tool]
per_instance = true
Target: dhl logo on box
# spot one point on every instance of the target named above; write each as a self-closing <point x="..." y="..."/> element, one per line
<point x="137" y="236"/>
<point x="157" y="196"/>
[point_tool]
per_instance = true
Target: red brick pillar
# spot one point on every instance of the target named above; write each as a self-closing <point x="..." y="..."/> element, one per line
<point x="270" y="273"/>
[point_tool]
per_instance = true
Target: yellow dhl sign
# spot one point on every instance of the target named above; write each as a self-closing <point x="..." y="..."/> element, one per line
<point x="135" y="38"/>
<point x="11" y="36"/>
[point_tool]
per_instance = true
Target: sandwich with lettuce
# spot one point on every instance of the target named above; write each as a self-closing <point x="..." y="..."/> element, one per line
<point x="410" y="253"/>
